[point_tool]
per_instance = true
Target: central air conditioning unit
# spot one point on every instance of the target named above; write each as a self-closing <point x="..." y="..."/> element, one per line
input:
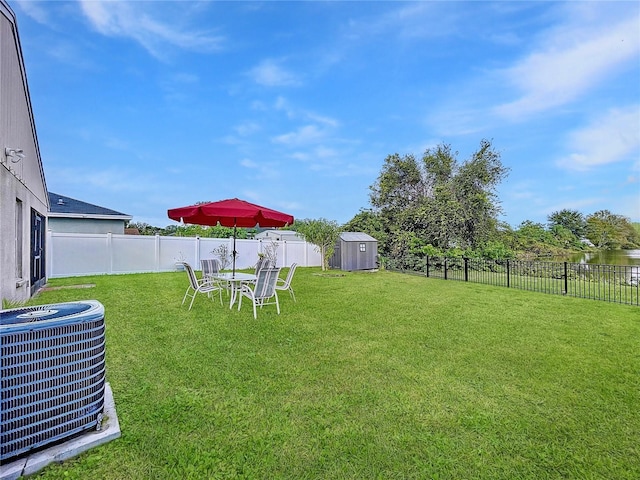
<point x="52" y="374"/>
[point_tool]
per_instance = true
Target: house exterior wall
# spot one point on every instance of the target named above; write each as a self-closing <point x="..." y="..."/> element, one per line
<point x="85" y="225"/>
<point x="21" y="183"/>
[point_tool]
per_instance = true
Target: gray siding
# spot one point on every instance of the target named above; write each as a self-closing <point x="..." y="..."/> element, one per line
<point x="85" y="225"/>
<point x="22" y="181"/>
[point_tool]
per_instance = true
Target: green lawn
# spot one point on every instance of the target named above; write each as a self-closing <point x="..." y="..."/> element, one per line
<point x="369" y="375"/>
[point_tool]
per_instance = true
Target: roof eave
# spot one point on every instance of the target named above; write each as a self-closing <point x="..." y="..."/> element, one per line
<point x="89" y="215"/>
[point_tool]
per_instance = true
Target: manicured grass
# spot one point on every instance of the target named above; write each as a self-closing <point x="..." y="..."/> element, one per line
<point x="368" y="375"/>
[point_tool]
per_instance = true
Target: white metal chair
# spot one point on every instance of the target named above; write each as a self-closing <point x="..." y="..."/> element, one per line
<point x="285" y="284"/>
<point x="198" y="286"/>
<point x="264" y="291"/>
<point x="209" y="267"/>
<point x="263" y="262"/>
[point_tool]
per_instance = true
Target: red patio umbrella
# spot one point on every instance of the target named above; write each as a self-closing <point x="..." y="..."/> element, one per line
<point x="230" y="213"/>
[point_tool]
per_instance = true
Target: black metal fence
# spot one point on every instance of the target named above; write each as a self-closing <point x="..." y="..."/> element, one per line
<point x="611" y="283"/>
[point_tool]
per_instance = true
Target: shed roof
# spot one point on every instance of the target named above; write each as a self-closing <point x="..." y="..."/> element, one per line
<point x="279" y="233"/>
<point x="356" y="237"/>
<point x="62" y="206"/>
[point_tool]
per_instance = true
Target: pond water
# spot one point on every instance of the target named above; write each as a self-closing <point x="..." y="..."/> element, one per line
<point x="604" y="257"/>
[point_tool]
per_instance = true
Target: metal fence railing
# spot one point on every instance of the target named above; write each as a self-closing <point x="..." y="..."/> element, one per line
<point x="611" y="283"/>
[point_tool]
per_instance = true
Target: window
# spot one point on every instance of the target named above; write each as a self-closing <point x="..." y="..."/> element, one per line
<point x="19" y="233"/>
<point x="363" y="247"/>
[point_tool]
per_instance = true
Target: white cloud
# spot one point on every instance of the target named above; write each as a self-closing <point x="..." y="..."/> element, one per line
<point x="245" y="162"/>
<point x="610" y="139"/>
<point x="457" y="118"/>
<point x="301" y="156"/>
<point x="69" y="54"/>
<point x="259" y="106"/>
<point x="179" y="87"/>
<point x="269" y="73"/>
<point x="264" y="170"/>
<point x="132" y="20"/>
<point x="572" y="61"/>
<point x="302" y="136"/>
<point x="325" y="152"/>
<point x="34" y="10"/>
<point x="413" y="20"/>
<point x="118" y="144"/>
<point x="246" y="129"/>
<point x="282" y="104"/>
<point x="111" y="180"/>
<point x="328" y="121"/>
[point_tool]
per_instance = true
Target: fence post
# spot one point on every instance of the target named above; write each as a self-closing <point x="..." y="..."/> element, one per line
<point x="284" y="253"/>
<point x="466" y="269"/>
<point x="427" y="265"/>
<point x="445" y="268"/>
<point x="196" y="253"/>
<point x="157" y="252"/>
<point x="109" y="245"/>
<point x="508" y="274"/>
<point x="566" y="279"/>
<point x="49" y="253"/>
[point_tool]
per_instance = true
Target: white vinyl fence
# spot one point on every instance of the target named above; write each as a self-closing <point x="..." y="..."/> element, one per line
<point x="77" y="254"/>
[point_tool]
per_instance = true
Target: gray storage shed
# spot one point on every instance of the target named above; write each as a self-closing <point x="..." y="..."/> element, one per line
<point x="355" y="251"/>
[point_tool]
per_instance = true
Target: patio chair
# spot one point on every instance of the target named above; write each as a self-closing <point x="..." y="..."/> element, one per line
<point x="198" y="286"/>
<point x="264" y="291"/>
<point x="210" y="266"/>
<point x="285" y="284"/>
<point x="263" y="262"/>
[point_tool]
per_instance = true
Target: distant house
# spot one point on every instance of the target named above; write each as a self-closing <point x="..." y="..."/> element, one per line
<point x="279" y="235"/>
<point x="355" y="251"/>
<point x="23" y="191"/>
<point x="68" y="215"/>
<point x="587" y="242"/>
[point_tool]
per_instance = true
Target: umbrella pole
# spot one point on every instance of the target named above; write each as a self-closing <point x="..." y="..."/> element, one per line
<point x="234" y="253"/>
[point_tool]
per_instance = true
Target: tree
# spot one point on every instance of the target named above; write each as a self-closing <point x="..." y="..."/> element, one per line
<point x="438" y="200"/>
<point x="144" y="228"/>
<point x="217" y="231"/>
<point x="572" y="220"/>
<point x="322" y="233"/>
<point x="564" y="238"/>
<point x="610" y="231"/>
<point x="532" y="237"/>
<point x="369" y="222"/>
<point x="474" y="186"/>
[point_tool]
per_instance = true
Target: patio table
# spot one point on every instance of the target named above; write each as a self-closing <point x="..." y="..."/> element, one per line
<point x="235" y="281"/>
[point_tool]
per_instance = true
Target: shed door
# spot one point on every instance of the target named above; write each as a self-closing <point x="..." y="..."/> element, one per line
<point x="38" y="275"/>
<point x="335" y="260"/>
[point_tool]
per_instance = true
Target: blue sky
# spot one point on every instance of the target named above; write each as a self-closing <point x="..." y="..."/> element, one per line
<point x="149" y="105"/>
